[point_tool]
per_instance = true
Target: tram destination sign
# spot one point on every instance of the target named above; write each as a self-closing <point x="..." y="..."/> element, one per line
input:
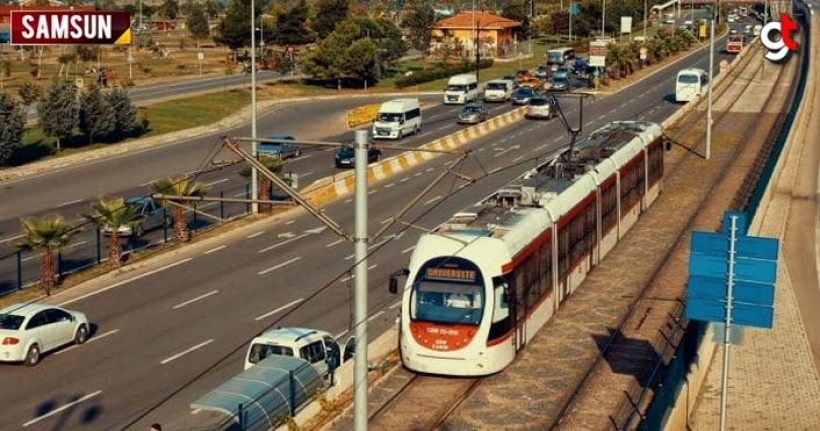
<point x="443" y="273"/>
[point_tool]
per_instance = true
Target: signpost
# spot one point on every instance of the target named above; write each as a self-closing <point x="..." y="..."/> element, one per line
<point x="597" y="53"/>
<point x="626" y="24"/>
<point x="731" y="280"/>
<point x="573" y="10"/>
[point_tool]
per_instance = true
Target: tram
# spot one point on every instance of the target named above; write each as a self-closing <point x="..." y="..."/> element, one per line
<point x="483" y="283"/>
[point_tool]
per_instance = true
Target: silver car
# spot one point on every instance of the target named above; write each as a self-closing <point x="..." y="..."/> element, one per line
<point x="542" y="107"/>
<point x="151" y="216"/>
<point x="473" y="113"/>
<point x="29" y="330"/>
<point x="280" y="150"/>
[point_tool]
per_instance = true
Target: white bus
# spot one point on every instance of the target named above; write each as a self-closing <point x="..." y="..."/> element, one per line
<point x="690" y="84"/>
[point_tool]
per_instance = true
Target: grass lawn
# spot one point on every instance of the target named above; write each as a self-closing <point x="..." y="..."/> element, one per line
<point x="193" y="111"/>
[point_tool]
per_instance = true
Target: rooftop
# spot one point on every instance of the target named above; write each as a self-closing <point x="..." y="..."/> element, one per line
<point x="484" y="21"/>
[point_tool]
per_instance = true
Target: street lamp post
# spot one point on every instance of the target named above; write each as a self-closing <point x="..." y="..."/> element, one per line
<point x="709" y="90"/>
<point x="255" y="145"/>
<point x="603" y="19"/>
<point x="645" y="22"/>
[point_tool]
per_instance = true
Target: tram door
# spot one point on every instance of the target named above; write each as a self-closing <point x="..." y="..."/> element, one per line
<point x="519" y="290"/>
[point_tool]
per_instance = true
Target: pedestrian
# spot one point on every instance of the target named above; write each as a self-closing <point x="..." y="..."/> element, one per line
<point x="155" y="427"/>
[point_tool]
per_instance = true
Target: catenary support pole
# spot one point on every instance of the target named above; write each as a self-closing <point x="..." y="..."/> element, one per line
<point x="360" y="285"/>
<point x="709" y="90"/>
<point x="255" y="147"/>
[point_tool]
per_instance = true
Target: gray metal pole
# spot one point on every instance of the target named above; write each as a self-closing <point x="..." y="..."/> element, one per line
<point x="709" y="90"/>
<point x="360" y="292"/>
<point x="730" y="284"/>
<point x="570" y="21"/>
<point x="255" y="145"/>
<point x="645" y="22"/>
<point x="603" y="19"/>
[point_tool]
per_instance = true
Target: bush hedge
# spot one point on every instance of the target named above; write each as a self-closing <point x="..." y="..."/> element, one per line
<point x="440" y="71"/>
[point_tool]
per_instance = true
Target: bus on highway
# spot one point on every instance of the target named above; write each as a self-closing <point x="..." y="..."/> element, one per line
<point x="690" y="84"/>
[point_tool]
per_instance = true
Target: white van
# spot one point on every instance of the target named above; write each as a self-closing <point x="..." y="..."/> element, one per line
<point x="559" y="56"/>
<point x="319" y="348"/>
<point x="690" y="84"/>
<point x="461" y="89"/>
<point x="498" y="90"/>
<point x="397" y="118"/>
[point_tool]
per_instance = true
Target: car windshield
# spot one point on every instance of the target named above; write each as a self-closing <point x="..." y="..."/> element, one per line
<point x="559" y="79"/>
<point x="555" y="57"/>
<point x="447" y="302"/>
<point x="457" y="88"/>
<point x="471" y="109"/>
<point x="261" y="351"/>
<point x="11" y="321"/>
<point x="538" y="101"/>
<point x="688" y="79"/>
<point x="389" y="117"/>
<point x="345" y="151"/>
<point x="524" y="91"/>
<point x="496" y="86"/>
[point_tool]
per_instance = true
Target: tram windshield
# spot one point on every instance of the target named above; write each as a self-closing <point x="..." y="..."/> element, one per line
<point x="447" y="302"/>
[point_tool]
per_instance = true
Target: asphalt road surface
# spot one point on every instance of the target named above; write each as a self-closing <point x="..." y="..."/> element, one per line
<point x="165" y="338"/>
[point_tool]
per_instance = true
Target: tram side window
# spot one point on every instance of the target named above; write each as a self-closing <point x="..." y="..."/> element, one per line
<point x="545" y="268"/>
<point x="655" y="163"/>
<point x="609" y="207"/>
<point x="582" y="233"/>
<point x="563" y="250"/>
<point x="501" y="314"/>
<point x="632" y="184"/>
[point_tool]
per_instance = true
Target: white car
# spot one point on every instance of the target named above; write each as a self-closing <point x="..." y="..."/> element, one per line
<point x="27" y="331"/>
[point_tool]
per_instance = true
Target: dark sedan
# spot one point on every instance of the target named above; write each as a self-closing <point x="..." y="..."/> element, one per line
<point x="346" y="156"/>
<point x="523" y="95"/>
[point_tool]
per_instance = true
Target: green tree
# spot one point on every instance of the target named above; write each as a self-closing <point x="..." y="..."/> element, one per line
<point x="518" y="10"/>
<point x="234" y="29"/>
<point x="125" y="113"/>
<point x="47" y="235"/>
<point x="96" y="115"/>
<point x="114" y="213"/>
<point x="12" y="126"/>
<point x="30" y="93"/>
<point x="328" y="14"/>
<point x="5" y="72"/>
<point x="419" y="22"/>
<point x="179" y="186"/>
<point x="212" y="8"/>
<point x="59" y="104"/>
<point x="198" y="23"/>
<point x="170" y="9"/>
<point x="331" y="60"/>
<point x="291" y="26"/>
<point x="273" y="164"/>
<point x="388" y="39"/>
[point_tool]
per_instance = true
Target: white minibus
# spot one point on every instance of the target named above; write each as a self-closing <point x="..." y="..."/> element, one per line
<point x="461" y="89"/>
<point x="397" y="118"/>
<point x="690" y="84"/>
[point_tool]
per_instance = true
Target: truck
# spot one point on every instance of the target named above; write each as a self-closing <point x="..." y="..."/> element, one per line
<point x="317" y="347"/>
<point x="397" y="118"/>
<point x="735" y="44"/>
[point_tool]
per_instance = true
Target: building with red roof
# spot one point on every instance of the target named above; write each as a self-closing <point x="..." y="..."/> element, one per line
<point x="496" y="34"/>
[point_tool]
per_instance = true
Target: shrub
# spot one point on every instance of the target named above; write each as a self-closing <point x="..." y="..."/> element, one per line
<point x="440" y="71"/>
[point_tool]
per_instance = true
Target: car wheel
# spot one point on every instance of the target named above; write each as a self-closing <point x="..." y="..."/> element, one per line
<point x="32" y="356"/>
<point x="298" y="153"/>
<point x="400" y="135"/>
<point x="81" y="336"/>
<point x="138" y="231"/>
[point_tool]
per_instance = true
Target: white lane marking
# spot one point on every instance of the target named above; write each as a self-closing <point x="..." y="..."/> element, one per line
<point x="65" y="204"/>
<point x="254" y="235"/>
<point x="284" y="242"/>
<point x="539" y="148"/>
<point x="418" y="173"/>
<point x="432" y="200"/>
<point x="375" y="316"/>
<point x="396" y="305"/>
<point x="147" y="183"/>
<point x="347" y="201"/>
<point x="389" y="185"/>
<point x="185" y="352"/>
<point x="273" y="268"/>
<point x="284" y="307"/>
<point x="196" y="412"/>
<point x="216" y="249"/>
<point x="334" y="243"/>
<point x="517" y="159"/>
<point x="240" y="194"/>
<point x="351" y="277"/>
<point x="404" y="179"/>
<point x="11" y="238"/>
<point x="495" y="170"/>
<point x="213" y="183"/>
<point x="58" y="410"/>
<point x="95" y="338"/>
<point x="306" y="174"/>
<point x="350" y="256"/>
<point x="371" y="192"/>
<point x="387" y="220"/>
<point x="408" y="249"/>
<point x="191" y="301"/>
<point x="341" y="334"/>
<point x="286" y="235"/>
<point x="290" y="222"/>
<point x="118" y="284"/>
<point x="429" y="170"/>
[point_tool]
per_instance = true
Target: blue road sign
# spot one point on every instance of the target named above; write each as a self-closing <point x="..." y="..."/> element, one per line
<point x="754" y="272"/>
<point x="574" y="9"/>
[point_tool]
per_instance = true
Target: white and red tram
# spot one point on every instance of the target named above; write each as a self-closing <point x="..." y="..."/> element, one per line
<point x="480" y="286"/>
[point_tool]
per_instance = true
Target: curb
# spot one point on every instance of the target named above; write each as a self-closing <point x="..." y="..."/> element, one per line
<point x="327" y="189"/>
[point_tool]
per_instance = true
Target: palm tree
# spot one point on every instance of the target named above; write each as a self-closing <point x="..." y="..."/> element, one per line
<point x="47" y="235"/>
<point x="620" y="59"/>
<point x="273" y="164"/>
<point x="114" y="213"/>
<point x="179" y="186"/>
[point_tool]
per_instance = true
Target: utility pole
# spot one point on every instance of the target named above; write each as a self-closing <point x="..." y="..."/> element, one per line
<point x="360" y="286"/>
<point x="645" y="22"/>
<point x="603" y="19"/>
<point x="255" y="145"/>
<point x="709" y="90"/>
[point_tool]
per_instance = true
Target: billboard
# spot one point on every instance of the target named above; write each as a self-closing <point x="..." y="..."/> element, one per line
<point x="597" y="53"/>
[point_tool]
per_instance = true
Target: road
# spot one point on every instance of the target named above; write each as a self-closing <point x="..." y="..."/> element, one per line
<point x="160" y="330"/>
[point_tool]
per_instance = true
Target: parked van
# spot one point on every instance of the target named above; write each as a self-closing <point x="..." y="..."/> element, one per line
<point x="498" y="90"/>
<point x="461" y="89"/>
<point x="690" y="84"/>
<point x="559" y="56"/>
<point x="319" y="348"/>
<point x="397" y="118"/>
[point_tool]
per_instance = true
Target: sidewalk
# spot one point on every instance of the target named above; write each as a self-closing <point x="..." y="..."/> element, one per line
<point x="773" y="380"/>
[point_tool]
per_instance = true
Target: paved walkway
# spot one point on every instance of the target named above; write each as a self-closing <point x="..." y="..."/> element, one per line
<point x="773" y="380"/>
